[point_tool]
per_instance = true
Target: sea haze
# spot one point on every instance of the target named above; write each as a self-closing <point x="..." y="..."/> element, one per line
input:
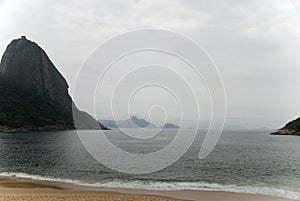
<point x="242" y="161"/>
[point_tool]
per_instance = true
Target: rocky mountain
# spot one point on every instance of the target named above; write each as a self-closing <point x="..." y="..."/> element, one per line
<point x="133" y="122"/>
<point x="291" y="128"/>
<point x="170" y="125"/>
<point x="34" y="94"/>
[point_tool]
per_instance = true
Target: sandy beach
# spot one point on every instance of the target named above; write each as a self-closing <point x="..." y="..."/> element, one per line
<point x="20" y="189"/>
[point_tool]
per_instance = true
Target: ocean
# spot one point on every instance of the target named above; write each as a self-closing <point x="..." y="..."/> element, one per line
<point x="249" y="161"/>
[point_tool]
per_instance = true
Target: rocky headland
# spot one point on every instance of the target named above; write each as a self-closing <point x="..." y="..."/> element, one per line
<point x="34" y="94"/>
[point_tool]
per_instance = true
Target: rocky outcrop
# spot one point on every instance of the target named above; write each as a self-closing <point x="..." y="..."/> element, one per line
<point x="29" y="66"/>
<point x="291" y="128"/>
<point x="34" y="94"/>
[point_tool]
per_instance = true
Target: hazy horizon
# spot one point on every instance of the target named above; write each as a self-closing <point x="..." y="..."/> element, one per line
<point x="254" y="45"/>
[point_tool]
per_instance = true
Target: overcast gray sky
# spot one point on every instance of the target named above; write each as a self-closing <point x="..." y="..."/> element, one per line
<point x="255" y="44"/>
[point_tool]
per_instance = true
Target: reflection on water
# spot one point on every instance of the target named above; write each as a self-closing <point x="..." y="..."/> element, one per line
<point x="241" y="158"/>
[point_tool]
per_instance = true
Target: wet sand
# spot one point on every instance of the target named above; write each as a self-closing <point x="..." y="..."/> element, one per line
<point x="20" y="189"/>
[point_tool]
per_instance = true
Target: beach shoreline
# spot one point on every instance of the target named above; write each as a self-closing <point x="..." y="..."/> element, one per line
<point x="15" y="188"/>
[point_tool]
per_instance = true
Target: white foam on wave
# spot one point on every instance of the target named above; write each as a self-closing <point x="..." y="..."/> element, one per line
<point x="156" y="185"/>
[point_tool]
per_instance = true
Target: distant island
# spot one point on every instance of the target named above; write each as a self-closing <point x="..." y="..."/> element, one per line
<point x="170" y="125"/>
<point x="133" y="122"/>
<point x="33" y="93"/>
<point x="291" y="128"/>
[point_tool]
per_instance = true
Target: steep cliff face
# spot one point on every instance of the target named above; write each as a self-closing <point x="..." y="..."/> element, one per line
<point x="33" y="93"/>
<point x="25" y="63"/>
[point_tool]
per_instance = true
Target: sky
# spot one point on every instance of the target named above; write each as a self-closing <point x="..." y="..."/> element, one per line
<point x="254" y="44"/>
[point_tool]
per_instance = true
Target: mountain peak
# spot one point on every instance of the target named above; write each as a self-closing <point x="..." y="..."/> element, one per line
<point x="34" y="94"/>
<point x="27" y="64"/>
<point x="170" y="125"/>
<point x="134" y="118"/>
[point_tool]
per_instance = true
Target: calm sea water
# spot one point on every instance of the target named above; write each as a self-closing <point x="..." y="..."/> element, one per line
<point x="242" y="161"/>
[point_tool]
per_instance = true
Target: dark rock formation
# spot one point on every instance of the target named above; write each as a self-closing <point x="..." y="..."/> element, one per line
<point x="291" y="128"/>
<point x="25" y="63"/>
<point x="27" y="71"/>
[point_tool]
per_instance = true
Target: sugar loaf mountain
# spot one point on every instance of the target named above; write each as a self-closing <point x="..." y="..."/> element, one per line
<point x="33" y="93"/>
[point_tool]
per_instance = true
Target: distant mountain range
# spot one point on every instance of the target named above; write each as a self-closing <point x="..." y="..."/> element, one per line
<point x="133" y="122"/>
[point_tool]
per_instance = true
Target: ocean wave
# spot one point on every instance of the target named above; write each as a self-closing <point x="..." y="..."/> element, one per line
<point x="158" y="185"/>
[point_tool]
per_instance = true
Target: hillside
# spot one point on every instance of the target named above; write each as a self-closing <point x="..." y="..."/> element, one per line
<point x="291" y="128"/>
<point x="33" y="93"/>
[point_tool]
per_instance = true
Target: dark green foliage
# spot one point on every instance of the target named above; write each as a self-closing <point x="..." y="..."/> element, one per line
<point x="3" y="119"/>
<point x="21" y="107"/>
<point x="293" y="125"/>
